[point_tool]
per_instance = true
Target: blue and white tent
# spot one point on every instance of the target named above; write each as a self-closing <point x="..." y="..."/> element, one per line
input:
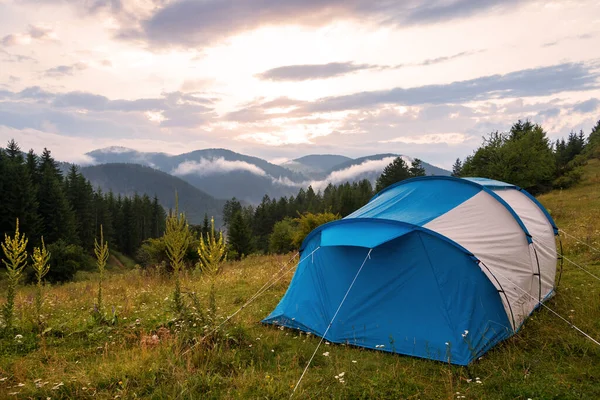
<point x="435" y="267"/>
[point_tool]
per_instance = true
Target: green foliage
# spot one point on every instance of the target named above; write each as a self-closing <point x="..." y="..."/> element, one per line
<point x="398" y="171"/>
<point x="281" y="240"/>
<point x="211" y="250"/>
<point x="15" y="260"/>
<point x="593" y="142"/>
<point x="239" y="236"/>
<point x="40" y="263"/>
<point x="523" y="156"/>
<point x="308" y="222"/>
<point x="457" y="168"/>
<point x="102" y="253"/>
<point x="66" y="260"/>
<point x="177" y="240"/>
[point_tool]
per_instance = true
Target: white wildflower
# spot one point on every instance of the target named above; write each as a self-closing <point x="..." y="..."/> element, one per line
<point x="326" y="354"/>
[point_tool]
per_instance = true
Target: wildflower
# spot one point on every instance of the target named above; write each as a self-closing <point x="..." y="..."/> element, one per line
<point x="327" y="343"/>
<point x="272" y="350"/>
<point x="354" y="361"/>
<point x="465" y="333"/>
<point x="326" y="354"/>
<point x="341" y="374"/>
<point x="447" y="344"/>
<point x="18" y="337"/>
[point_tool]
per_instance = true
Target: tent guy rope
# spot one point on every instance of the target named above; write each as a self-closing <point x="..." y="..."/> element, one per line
<point x="549" y="309"/>
<point x="571" y="261"/>
<point x="276" y="278"/>
<point x="331" y="323"/>
<point x="580" y="241"/>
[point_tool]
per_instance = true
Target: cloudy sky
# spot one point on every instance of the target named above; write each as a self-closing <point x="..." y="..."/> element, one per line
<point x="280" y="79"/>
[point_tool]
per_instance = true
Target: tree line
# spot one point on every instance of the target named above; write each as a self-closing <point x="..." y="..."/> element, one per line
<point x="251" y="229"/>
<point x="67" y="212"/>
<point x="526" y="157"/>
<point x="523" y="156"/>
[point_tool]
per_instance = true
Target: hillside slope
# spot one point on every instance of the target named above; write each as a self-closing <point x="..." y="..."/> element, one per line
<point x="128" y="179"/>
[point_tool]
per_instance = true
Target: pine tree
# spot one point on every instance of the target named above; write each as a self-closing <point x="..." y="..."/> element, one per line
<point x="58" y="219"/>
<point x="18" y="195"/>
<point x="80" y="195"/>
<point x="457" y="168"/>
<point x="395" y="172"/>
<point x="416" y="168"/>
<point x="239" y="236"/>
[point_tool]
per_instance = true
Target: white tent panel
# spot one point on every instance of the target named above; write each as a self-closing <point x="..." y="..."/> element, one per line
<point x="487" y="229"/>
<point x="541" y="231"/>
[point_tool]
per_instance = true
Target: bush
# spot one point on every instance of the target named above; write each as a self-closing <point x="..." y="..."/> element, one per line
<point x="66" y="260"/>
<point x="154" y="252"/>
<point x="309" y="222"/>
<point x="281" y="241"/>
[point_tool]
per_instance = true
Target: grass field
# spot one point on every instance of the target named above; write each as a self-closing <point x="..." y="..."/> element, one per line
<point x="144" y="355"/>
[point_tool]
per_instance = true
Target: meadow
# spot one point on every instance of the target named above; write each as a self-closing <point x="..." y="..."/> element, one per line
<point x="144" y="351"/>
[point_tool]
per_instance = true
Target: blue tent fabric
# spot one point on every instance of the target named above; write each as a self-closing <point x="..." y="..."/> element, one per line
<point x="419" y="294"/>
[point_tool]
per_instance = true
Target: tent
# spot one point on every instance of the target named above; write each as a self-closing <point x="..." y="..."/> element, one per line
<point x="436" y="267"/>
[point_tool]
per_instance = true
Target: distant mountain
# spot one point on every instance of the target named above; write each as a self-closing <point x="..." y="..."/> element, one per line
<point x="128" y="179"/>
<point x="315" y="165"/>
<point x="225" y="174"/>
<point x="221" y="173"/>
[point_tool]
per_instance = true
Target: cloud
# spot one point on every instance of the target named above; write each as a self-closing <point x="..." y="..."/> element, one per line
<point x="541" y="81"/>
<point x="206" y="167"/>
<point x="64" y="70"/>
<point x="192" y="23"/>
<point x="16" y="58"/>
<point x="330" y="70"/>
<point x="587" y="106"/>
<point x="312" y="71"/>
<point x="434" y="138"/>
<point x="34" y="33"/>
<point x="549" y="113"/>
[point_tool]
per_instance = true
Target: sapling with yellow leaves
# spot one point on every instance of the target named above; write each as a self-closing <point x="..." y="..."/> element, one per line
<point x="41" y="266"/>
<point x="15" y="260"/>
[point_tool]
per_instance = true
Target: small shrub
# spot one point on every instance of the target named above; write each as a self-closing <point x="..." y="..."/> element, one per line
<point x="281" y="240"/>
<point x="66" y="260"/>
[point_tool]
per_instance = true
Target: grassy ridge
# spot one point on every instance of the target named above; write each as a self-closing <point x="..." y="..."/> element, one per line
<point x="142" y="356"/>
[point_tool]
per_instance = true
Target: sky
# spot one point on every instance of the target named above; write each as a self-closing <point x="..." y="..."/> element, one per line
<point x="280" y="79"/>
